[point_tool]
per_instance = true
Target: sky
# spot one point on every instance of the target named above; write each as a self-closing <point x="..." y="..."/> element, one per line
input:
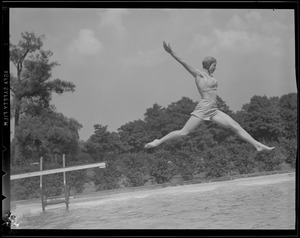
<point x="115" y="57"/>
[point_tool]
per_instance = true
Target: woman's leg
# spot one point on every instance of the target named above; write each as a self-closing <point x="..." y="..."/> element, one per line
<point x="190" y="125"/>
<point x="226" y="121"/>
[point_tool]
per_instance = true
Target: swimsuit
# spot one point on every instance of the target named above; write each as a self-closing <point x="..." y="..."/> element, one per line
<point x="207" y="107"/>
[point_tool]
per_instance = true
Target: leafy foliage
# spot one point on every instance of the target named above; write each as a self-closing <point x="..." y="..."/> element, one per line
<point x="135" y="168"/>
<point x="102" y="143"/>
<point x="290" y="149"/>
<point x="32" y="87"/>
<point x="27" y="187"/>
<point x="162" y="167"/>
<point x="263" y="119"/>
<point x="288" y="114"/>
<point x="132" y="136"/>
<point x="50" y="133"/>
<point x="210" y="149"/>
<point x="108" y="178"/>
<point x="217" y="162"/>
<point x="242" y="160"/>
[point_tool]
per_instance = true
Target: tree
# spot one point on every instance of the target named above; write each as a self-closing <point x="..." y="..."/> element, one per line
<point x="161" y="121"/>
<point x="135" y="167"/>
<point x="109" y="177"/>
<point x="177" y="114"/>
<point x="269" y="161"/>
<point x="102" y="143"/>
<point x="161" y="167"/>
<point x="133" y="136"/>
<point x="217" y="161"/>
<point x="288" y="114"/>
<point x="156" y="121"/>
<point x="241" y="158"/>
<point x="262" y="118"/>
<point x="32" y="88"/>
<point x="291" y="150"/>
<point x="188" y="164"/>
<point x="48" y="134"/>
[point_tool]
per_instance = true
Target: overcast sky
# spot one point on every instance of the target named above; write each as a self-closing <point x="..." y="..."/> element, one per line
<point x="116" y="59"/>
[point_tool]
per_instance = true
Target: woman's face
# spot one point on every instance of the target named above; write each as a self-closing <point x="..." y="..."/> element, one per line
<point x="212" y="68"/>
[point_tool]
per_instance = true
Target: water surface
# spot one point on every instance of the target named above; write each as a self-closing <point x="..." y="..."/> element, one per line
<point x="266" y="202"/>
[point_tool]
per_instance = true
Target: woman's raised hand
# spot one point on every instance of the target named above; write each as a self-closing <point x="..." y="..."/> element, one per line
<point x="167" y="47"/>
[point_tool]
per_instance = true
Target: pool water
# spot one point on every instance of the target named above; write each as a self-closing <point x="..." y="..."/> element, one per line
<point x="266" y="202"/>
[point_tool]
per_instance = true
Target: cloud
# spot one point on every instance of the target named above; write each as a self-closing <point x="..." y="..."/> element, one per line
<point x="245" y="42"/>
<point x="86" y="43"/>
<point x="244" y="35"/>
<point x="240" y="41"/>
<point x="148" y="58"/>
<point x="113" y="19"/>
<point x="182" y="22"/>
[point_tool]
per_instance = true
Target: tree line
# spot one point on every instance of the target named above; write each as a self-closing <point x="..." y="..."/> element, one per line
<point x="210" y="151"/>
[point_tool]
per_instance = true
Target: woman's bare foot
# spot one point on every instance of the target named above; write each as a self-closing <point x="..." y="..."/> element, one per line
<point x="152" y="144"/>
<point x="262" y="147"/>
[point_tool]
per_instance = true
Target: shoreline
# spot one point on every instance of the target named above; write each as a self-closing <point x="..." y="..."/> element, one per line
<point x="164" y="185"/>
<point x="181" y="183"/>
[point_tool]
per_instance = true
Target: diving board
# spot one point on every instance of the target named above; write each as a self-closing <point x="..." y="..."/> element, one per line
<point x="56" y="200"/>
<point x="59" y="170"/>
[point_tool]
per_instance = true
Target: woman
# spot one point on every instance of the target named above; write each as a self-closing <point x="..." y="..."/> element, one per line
<point x="207" y="107"/>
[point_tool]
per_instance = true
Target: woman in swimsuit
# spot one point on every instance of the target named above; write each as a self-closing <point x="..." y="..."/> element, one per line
<point x="207" y="107"/>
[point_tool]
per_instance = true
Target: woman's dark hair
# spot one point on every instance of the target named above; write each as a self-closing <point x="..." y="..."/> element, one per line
<point x="208" y="61"/>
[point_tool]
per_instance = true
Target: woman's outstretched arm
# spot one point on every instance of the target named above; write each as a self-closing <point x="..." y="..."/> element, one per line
<point x="189" y="68"/>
